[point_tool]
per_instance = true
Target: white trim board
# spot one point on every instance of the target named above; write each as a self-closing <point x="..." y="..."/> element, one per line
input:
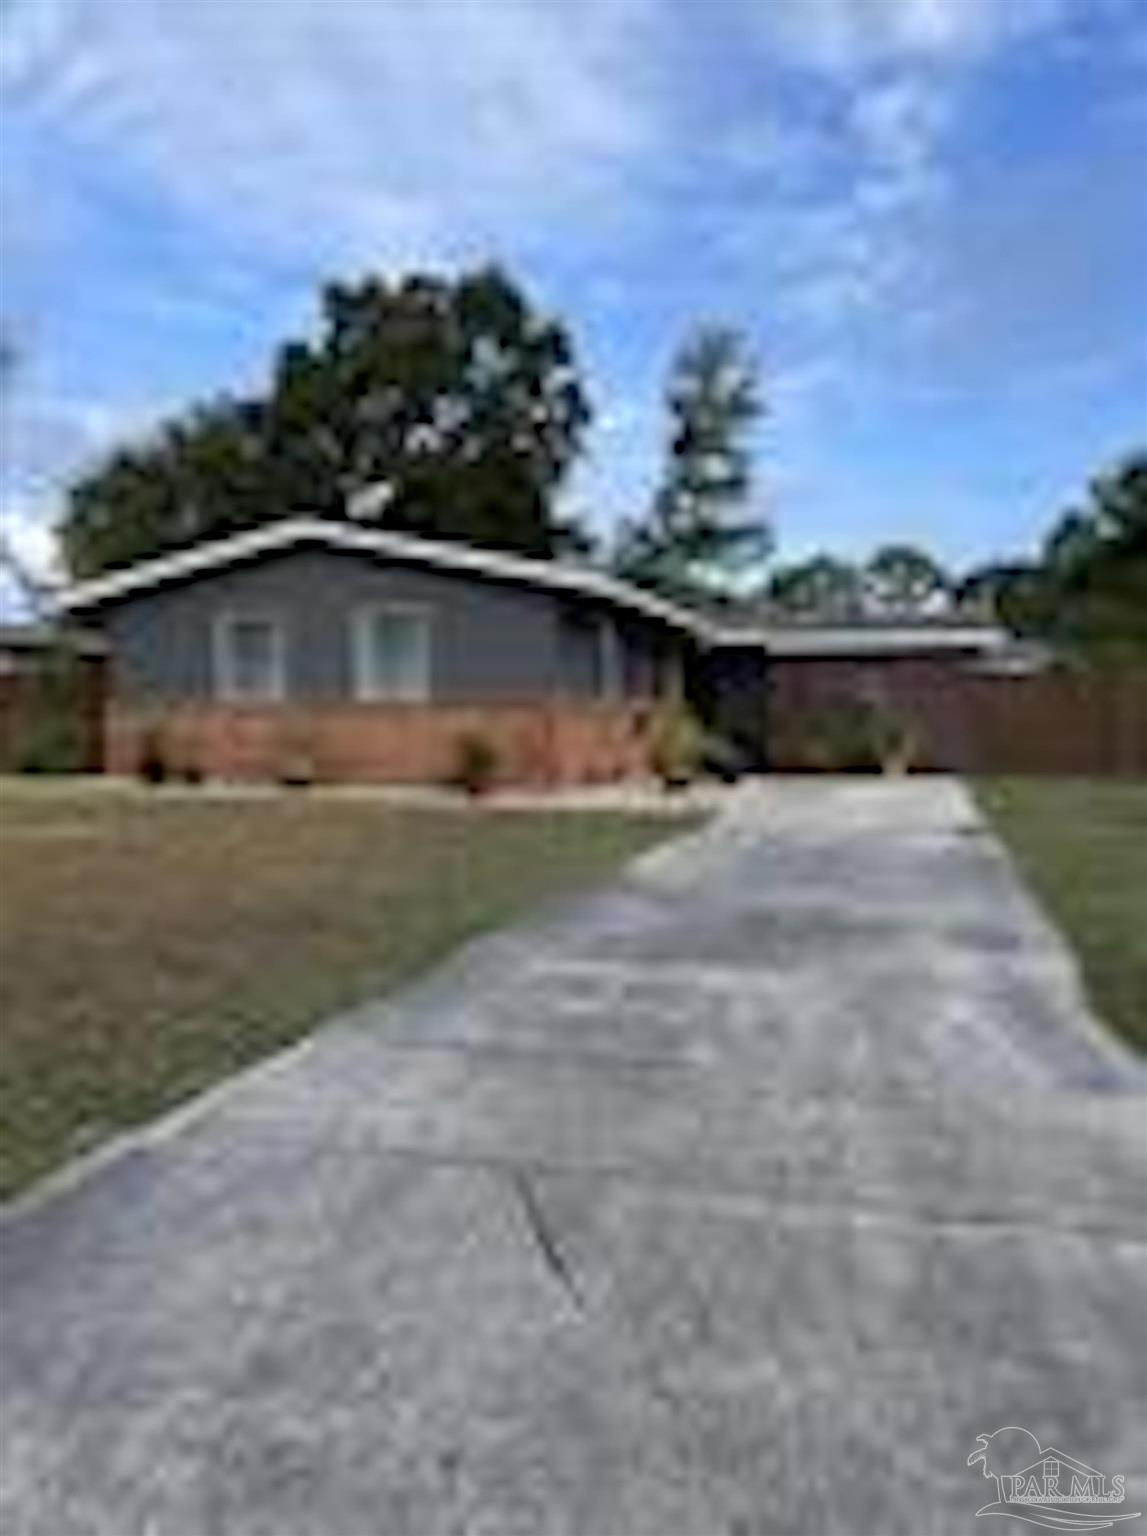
<point x="223" y="668"/>
<point x="859" y="640"/>
<point x="376" y="541"/>
<point x="364" y="684"/>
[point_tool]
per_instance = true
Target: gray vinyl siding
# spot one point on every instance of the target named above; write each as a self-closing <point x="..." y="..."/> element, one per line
<point x="490" y="639"/>
<point x="579" y="651"/>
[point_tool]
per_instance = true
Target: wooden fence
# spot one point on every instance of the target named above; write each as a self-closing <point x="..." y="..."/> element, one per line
<point x="974" y="722"/>
<point x="51" y="711"/>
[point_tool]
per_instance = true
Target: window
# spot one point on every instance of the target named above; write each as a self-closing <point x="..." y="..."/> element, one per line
<point x="390" y="652"/>
<point x="610" y="657"/>
<point x="590" y="655"/>
<point x="249" y="657"/>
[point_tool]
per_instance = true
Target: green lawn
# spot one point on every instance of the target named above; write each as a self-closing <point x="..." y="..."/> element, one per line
<point x="1082" y="844"/>
<point x="150" y="945"/>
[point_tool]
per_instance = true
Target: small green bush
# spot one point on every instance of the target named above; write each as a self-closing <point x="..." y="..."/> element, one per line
<point x="854" y="734"/>
<point x="298" y="760"/>
<point x="151" y="763"/>
<point x="51" y="745"/>
<point x="677" y="744"/>
<point x="53" y="734"/>
<point x="476" y="763"/>
<point x="724" y="758"/>
<point x="895" y="740"/>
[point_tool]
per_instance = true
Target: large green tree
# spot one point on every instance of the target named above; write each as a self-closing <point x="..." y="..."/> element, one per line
<point x="903" y="579"/>
<point x="457" y="394"/>
<point x="821" y="587"/>
<point x="1094" y="569"/>
<point x="1086" y="594"/>
<point x="701" y="530"/>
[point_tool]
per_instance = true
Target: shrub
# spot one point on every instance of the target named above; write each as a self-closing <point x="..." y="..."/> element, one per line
<point x="476" y="763"/>
<point x="52" y="735"/>
<point x="895" y="740"/>
<point x="854" y="734"/>
<point x="151" y="763"/>
<point x="677" y="744"/>
<point x="51" y="745"/>
<point x="297" y="767"/>
<point x="724" y="758"/>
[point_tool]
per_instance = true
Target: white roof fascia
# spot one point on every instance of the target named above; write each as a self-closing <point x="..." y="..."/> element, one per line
<point x="862" y="641"/>
<point x="399" y="546"/>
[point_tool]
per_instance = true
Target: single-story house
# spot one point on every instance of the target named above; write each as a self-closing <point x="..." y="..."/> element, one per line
<point x="371" y="653"/>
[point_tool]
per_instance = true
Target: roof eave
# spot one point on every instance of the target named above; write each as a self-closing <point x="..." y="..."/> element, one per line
<point x="460" y="558"/>
<point x="860" y="641"/>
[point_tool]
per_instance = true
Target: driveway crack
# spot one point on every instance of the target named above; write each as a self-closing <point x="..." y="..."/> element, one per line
<point x="544" y="1240"/>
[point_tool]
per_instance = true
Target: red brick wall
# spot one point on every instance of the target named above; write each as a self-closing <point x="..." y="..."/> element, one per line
<point x="536" y="743"/>
<point x="975" y="722"/>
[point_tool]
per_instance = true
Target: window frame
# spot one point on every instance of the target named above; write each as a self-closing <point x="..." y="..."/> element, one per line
<point x="224" y="673"/>
<point x="363" y="683"/>
<point x="610" y="660"/>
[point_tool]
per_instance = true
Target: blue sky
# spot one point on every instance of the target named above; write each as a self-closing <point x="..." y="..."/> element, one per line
<point x="929" y="215"/>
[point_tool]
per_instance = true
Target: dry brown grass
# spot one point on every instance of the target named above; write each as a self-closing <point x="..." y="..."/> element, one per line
<point x="150" y="945"/>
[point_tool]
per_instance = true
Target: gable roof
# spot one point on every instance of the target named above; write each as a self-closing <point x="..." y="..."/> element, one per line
<point x="440" y="554"/>
<point x="1051" y="1454"/>
<point x="780" y="639"/>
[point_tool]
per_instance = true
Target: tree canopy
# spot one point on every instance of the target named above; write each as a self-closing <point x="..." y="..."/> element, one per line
<point x="902" y="579"/>
<point x="701" y="530"/>
<point x="821" y="587"/>
<point x="1086" y="593"/>
<point x="457" y="394"/>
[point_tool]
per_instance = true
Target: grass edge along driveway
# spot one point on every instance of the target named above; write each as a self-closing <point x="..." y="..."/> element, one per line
<point x="1081" y="844"/>
<point x="151" y="945"/>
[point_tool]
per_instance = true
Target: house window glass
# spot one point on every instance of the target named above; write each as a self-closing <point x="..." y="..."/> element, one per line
<point x="249" y="657"/>
<point x="391" y="653"/>
<point x="591" y="656"/>
<point x="610" y="676"/>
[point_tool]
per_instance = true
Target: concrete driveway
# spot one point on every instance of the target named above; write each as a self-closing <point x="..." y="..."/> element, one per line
<point x="737" y="1200"/>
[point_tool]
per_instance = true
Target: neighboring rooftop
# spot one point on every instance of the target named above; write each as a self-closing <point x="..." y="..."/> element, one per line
<point x="42" y="637"/>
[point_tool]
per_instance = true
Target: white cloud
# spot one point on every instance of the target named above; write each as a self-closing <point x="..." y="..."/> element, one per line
<point x="898" y="122"/>
<point x="856" y="239"/>
<point x="29" y="559"/>
<point x="841" y="36"/>
<point x="42" y="431"/>
<point x="47" y="439"/>
<point x="394" y="125"/>
<point x="28" y="534"/>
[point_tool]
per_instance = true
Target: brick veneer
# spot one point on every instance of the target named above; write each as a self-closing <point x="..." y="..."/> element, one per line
<point x="536" y="742"/>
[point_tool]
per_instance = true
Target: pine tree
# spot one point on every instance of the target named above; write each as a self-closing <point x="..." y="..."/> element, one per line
<point x="700" y="532"/>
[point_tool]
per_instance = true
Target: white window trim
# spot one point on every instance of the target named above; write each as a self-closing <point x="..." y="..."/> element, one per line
<point x="362" y="620"/>
<point x="223" y="671"/>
